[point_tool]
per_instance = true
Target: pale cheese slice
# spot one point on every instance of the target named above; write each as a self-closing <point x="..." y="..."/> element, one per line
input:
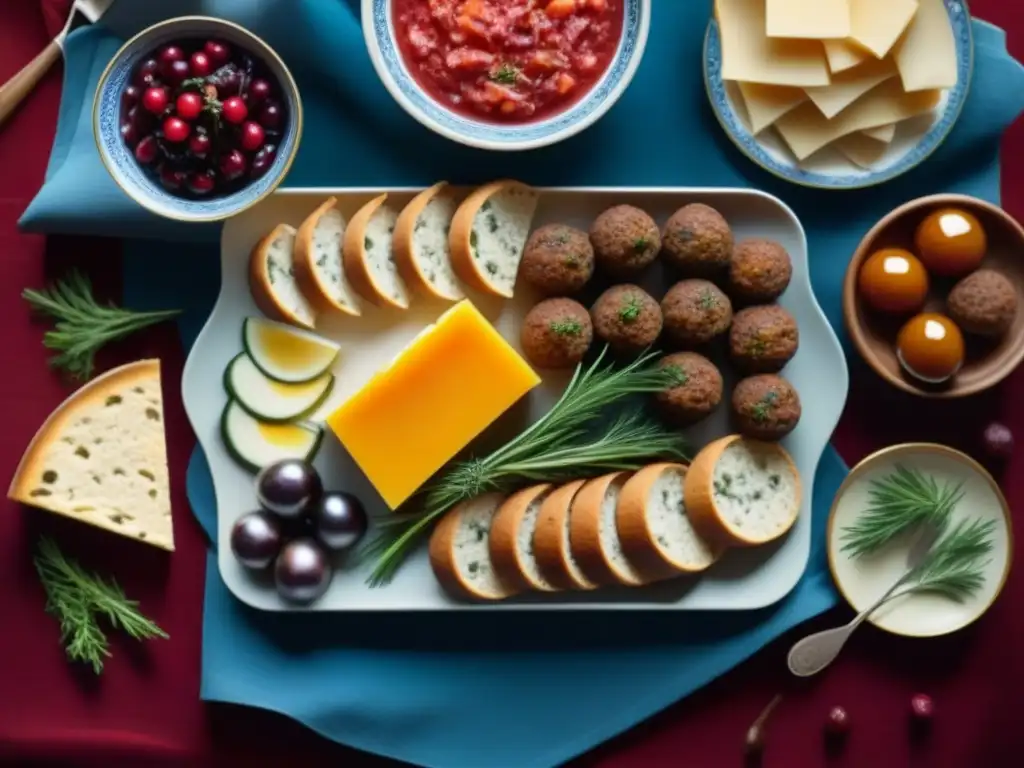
<point x="843" y="55"/>
<point x="878" y="24"/>
<point x="883" y="133"/>
<point x="750" y="56"/>
<point x="818" y="19"/>
<point x="100" y="457"/>
<point x="849" y="86"/>
<point x="767" y="103"/>
<point x="926" y="57"/>
<point x="806" y="130"/>
<point x="861" y="149"/>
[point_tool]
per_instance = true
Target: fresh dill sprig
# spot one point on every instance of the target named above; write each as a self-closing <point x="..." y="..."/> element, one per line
<point x="559" y="445"/>
<point x="954" y="567"/>
<point x="77" y="599"/>
<point x="897" y="503"/>
<point x="83" y="324"/>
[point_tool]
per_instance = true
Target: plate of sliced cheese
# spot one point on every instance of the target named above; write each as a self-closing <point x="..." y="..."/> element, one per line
<point x="838" y="93"/>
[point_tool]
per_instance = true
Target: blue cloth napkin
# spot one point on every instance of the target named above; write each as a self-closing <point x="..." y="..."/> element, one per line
<point x="462" y="691"/>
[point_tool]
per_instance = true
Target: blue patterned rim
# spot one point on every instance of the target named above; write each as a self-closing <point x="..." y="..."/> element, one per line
<point x="119" y="158"/>
<point x="733" y="124"/>
<point x="387" y="59"/>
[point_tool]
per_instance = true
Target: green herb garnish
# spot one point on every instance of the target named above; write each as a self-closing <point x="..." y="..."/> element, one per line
<point x="679" y="376"/>
<point x="630" y="309"/>
<point x="506" y="74"/>
<point x="762" y="409"/>
<point x="640" y="244"/>
<point x="756" y="347"/>
<point x="707" y="300"/>
<point x="566" y="327"/>
<point x="78" y="599"/>
<point x="83" y="324"/>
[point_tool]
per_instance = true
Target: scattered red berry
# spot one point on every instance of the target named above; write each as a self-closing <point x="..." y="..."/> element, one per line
<point x="199" y="145"/>
<point x="259" y="91"/>
<point x="232" y="165"/>
<point x="171" y="53"/>
<point x="922" y="707"/>
<point x="145" y="150"/>
<point x="263" y="160"/>
<point x="271" y="115"/>
<point x="172" y="179"/>
<point x="176" y="72"/>
<point x="130" y="97"/>
<point x="838" y="722"/>
<point x="129" y="133"/>
<point x="189" y="105"/>
<point x="218" y="52"/>
<point x="176" y="129"/>
<point x="252" y="136"/>
<point x="148" y="68"/>
<point x="998" y="441"/>
<point x="155" y="100"/>
<point x="200" y="65"/>
<point x="234" y="110"/>
<point x="202" y="183"/>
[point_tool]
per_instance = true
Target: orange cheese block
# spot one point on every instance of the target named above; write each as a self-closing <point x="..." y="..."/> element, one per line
<point x="444" y="389"/>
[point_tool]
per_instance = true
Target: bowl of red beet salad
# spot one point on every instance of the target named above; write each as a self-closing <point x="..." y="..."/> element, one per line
<point x="506" y="74"/>
<point x="197" y="119"/>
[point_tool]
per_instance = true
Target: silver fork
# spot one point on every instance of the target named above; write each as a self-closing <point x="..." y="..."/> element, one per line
<point x="815" y="652"/>
<point x="18" y="87"/>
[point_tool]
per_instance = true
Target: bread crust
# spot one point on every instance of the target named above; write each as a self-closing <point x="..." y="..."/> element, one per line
<point x="585" y="532"/>
<point x="505" y="531"/>
<point x="635" y="535"/>
<point x="459" y="237"/>
<point x="442" y="558"/>
<point x="259" y="282"/>
<point x="550" y="550"/>
<point x="353" y="256"/>
<point x="305" y="270"/>
<point x="408" y="268"/>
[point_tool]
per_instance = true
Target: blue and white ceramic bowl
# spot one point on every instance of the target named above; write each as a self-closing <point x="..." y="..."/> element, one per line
<point x="119" y="158"/>
<point x="379" y="31"/>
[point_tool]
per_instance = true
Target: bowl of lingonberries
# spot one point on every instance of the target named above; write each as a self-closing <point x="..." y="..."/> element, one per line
<point x="197" y="119"/>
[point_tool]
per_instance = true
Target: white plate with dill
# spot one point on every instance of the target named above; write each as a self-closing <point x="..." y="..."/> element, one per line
<point x="741" y="580"/>
<point x="878" y="512"/>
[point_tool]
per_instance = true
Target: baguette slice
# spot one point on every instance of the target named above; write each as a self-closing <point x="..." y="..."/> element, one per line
<point x="318" y="267"/>
<point x="460" y="550"/>
<point x="593" y="535"/>
<point x="368" y="257"/>
<point x="489" y="233"/>
<point x="272" y="279"/>
<point x="551" y="540"/>
<point x="421" y="243"/>
<point x="656" y="533"/>
<point x="741" y="492"/>
<point x="512" y="540"/>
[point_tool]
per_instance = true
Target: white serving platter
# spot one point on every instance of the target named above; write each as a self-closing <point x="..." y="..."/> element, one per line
<point x="743" y="579"/>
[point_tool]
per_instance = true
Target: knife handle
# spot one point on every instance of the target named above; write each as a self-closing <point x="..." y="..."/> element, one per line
<point x="18" y="87"/>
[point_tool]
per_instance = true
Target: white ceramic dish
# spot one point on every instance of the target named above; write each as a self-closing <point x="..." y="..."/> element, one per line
<point x="863" y="580"/>
<point x="915" y="140"/>
<point x="379" y="33"/>
<point x="742" y="580"/>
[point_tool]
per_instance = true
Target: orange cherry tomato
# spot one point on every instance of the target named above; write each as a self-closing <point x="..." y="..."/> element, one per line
<point x="951" y="242"/>
<point x="930" y="347"/>
<point x="893" y="280"/>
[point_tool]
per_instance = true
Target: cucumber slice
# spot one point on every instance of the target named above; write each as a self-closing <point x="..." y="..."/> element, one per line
<point x="254" y="444"/>
<point x="287" y="354"/>
<point x="270" y="400"/>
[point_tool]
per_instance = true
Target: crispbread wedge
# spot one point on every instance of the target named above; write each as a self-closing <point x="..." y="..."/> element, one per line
<point x="460" y="550"/>
<point x="421" y="243"/>
<point x="318" y="267"/>
<point x="272" y="279"/>
<point x="100" y="457"/>
<point x="489" y="233"/>
<point x="512" y="540"/>
<point x="368" y="257"/>
<point x="741" y="492"/>
<point x="551" y="540"/>
<point x="593" y="535"/>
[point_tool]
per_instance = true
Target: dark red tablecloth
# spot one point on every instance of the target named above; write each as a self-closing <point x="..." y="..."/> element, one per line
<point x="146" y="710"/>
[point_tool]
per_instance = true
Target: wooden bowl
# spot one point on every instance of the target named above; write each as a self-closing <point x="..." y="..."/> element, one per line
<point x="988" y="361"/>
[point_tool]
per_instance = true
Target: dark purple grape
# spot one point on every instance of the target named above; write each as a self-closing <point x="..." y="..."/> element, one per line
<point x="146" y="72"/>
<point x="227" y="80"/>
<point x="259" y="91"/>
<point x="131" y="96"/>
<point x="998" y="441"/>
<point x="288" y="488"/>
<point x="176" y="72"/>
<point x="339" y="520"/>
<point x="302" y="572"/>
<point x="271" y="116"/>
<point x="143" y="120"/>
<point x="263" y="159"/>
<point x="256" y="539"/>
<point x="129" y="133"/>
<point x="172" y="178"/>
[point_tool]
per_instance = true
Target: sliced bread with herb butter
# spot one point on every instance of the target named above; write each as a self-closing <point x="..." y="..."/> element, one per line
<point x="512" y="540"/>
<point x="421" y="243"/>
<point x="272" y="279"/>
<point x="368" y="256"/>
<point x="594" y="536"/>
<point x="656" y="533"/>
<point x="741" y="492"/>
<point x="101" y="457"/>
<point x="318" y="267"/>
<point x="551" y="546"/>
<point x="489" y="233"/>
<point x="460" y="553"/>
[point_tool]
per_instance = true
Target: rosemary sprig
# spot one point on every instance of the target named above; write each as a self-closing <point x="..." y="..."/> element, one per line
<point x="556" y="446"/>
<point x="897" y="503"/>
<point x="77" y="598"/>
<point x="954" y="567"/>
<point x="83" y="324"/>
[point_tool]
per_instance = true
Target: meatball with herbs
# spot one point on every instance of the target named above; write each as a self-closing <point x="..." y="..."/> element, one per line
<point x="983" y="303"/>
<point x="695" y="312"/>
<point x="627" y="318"/>
<point x="765" y="407"/>
<point x="625" y="240"/>
<point x="556" y="333"/>
<point x="558" y="259"/>
<point x="760" y="271"/>
<point x="763" y="339"/>
<point x="697" y="390"/>
<point x="697" y="240"/>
